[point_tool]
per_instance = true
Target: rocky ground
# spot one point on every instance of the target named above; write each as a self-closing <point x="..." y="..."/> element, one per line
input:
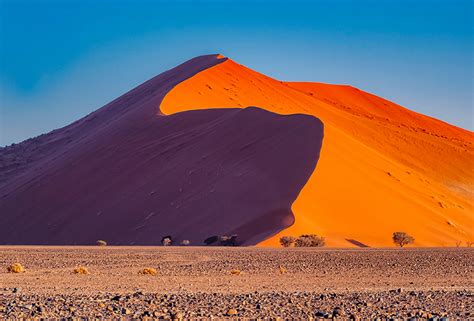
<point x="195" y="282"/>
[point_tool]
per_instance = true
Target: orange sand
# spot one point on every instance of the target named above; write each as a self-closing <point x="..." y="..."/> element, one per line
<point x="383" y="168"/>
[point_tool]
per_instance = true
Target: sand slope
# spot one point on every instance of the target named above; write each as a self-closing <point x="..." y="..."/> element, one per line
<point x="130" y="175"/>
<point x="383" y="168"/>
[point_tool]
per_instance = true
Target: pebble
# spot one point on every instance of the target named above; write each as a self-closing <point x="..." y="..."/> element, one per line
<point x="306" y="305"/>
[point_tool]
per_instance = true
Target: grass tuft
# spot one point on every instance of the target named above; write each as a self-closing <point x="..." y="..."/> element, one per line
<point x="80" y="270"/>
<point x="149" y="271"/>
<point x="235" y="272"/>
<point x="16" y="268"/>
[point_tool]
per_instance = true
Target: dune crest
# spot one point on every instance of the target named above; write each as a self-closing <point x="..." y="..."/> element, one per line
<point x="382" y="168"/>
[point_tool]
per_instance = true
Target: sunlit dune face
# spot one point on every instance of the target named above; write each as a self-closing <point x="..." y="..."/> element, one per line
<point x="383" y="168"/>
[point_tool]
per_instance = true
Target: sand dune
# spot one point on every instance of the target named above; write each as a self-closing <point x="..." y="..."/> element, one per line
<point x="383" y="168"/>
<point x="170" y="157"/>
<point x="130" y="175"/>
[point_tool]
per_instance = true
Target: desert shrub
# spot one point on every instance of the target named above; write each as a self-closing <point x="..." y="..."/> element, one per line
<point x="232" y="312"/>
<point x="212" y="239"/>
<point x="235" y="272"/>
<point x="80" y="270"/>
<point x="469" y="243"/>
<point x="401" y="238"/>
<point x="282" y="269"/>
<point x="310" y="240"/>
<point x="458" y="243"/>
<point x="16" y="268"/>
<point x="101" y="243"/>
<point x="149" y="271"/>
<point x="167" y="240"/>
<point x="226" y="240"/>
<point x="185" y="242"/>
<point x="287" y="241"/>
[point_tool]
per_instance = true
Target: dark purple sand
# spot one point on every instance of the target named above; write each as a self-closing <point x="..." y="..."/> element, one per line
<point x="129" y="175"/>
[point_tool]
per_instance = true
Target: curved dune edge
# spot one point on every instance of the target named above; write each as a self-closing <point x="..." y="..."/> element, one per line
<point x="131" y="175"/>
<point x="383" y="168"/>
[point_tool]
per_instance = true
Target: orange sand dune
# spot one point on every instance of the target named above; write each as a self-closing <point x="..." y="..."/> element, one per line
<point x="382" y="168"/>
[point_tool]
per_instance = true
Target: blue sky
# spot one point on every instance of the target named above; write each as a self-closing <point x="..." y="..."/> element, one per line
<point x="60" y="60"/>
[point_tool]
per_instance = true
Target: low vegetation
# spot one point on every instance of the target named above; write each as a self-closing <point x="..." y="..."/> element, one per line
<point x="167" y="240"/>
<point x="401" y="238"/>
<point x="235" y="272"/>
<point x="101" y="243"/>
<point x="282" y="269"/>
<point x="185" y="242"/>
<point x="305" y="240"/>
<point x="231" y="312"/>
<point x="16" y="268"/>
<point x="80" y="270"/>
<point x="149" y="271"/>
<point x="222" y="240"/>
<point x="287" y="241"/>
<point x="228" y="240"/>
<point x="310" y="240"/>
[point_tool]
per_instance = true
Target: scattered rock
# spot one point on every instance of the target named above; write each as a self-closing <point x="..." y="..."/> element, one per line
<point x="177" y="315"/>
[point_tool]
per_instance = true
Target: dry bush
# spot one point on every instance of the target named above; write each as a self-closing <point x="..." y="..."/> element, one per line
<point x="228" y="240"/>
<point x="149" y="271"/>
<point x="235" y="272"/>
<point x="167" y="241"/>
<point x="401" y="238"/>
<point x="310" y="240"/>
<point x="469" y="243"/>
<point x="458" y="243"/>
<point x="185" y="242"/>
<point x="80" y="270"/>
<point x="232" y="312"/>
<point x="282" y="269"/>
<point x="287" y="241"/>
<point x="101" y="243"/>
<point x="16" y="268"/>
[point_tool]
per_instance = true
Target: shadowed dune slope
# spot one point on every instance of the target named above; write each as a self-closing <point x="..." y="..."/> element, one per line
<point x="383" y="168"/>
<point x="130" y="175"/>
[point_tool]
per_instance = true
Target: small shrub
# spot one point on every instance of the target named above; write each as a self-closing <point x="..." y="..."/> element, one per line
<point x="226" y="240"/>
<point x="16" y="268"/>
<point x="401" y="238"/>
<point x="235" y="272"/>
<point x="149" y="271"/>
<point x="185" y="242"/>
<point x="310" y="240"/>
<point x="80" y="270"/>
<point x="469" y="243"/>
<point x="458" y="243"/>
<point x="287" y="241"/>
<point x="282" y="269"/>
<point x="167" y="240"/>
<point x="232" y="312"/>
<point x="101" y="243"/>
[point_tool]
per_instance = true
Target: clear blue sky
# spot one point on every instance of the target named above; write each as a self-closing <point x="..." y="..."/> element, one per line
<point x="60" y="60"/>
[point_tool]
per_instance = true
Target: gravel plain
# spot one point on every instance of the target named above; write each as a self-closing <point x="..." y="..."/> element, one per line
<point x="245" y="283"/>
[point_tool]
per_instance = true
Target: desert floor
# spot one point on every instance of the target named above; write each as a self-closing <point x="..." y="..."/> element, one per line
<point x="196" y="282"/>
